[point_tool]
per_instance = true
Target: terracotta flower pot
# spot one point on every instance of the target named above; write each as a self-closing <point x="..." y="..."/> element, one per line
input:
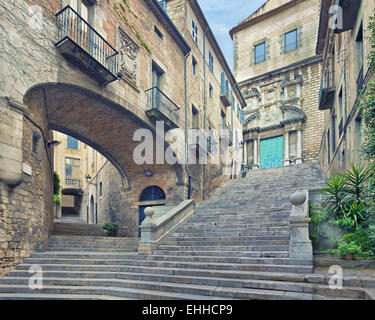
<point x="349" y="256"/>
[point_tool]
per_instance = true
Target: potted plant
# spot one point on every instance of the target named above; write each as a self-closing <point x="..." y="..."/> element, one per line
<point x="110" y="229"/>
<point x="348" y="250"/>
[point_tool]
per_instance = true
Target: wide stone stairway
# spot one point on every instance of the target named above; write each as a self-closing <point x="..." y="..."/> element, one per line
<point x="235" y="247"/>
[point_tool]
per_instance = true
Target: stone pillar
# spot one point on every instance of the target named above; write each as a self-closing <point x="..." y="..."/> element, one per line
<point x="255" y="144"/>
<point x="286" y="149"/>
<point x="300" y="246"/>
<point x="11" y="133"/>
<point x="245" y="153"/>
<point x="148" y="233"/>
<point x="299" y="147"/>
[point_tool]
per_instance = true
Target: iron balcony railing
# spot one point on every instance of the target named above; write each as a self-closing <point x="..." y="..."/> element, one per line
<point x="156" y="99"/>
<point x="327" y="82"/>
<point x="72" y="26"/>
<point x="73" y="182"/>
<point x="227" y="133"/>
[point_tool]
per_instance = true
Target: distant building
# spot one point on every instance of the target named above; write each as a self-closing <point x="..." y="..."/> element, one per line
<point x="345" y="48"/>
<point x="278" y="73"/>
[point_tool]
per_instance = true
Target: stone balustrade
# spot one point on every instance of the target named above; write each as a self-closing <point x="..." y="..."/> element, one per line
<point x="155" y="229"/>
<point x="300" y="246"/>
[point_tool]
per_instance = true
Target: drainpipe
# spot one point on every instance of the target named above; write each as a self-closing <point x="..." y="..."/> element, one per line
<point x="204" y="106"/>
<point x="186" y="128"/>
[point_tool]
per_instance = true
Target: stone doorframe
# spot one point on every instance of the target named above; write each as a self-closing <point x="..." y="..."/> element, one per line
<point x="256" y="135"/>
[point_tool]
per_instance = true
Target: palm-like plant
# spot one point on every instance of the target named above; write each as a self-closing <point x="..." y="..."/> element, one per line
<point x="336" y="194"/>
<point x="357" y="181"/>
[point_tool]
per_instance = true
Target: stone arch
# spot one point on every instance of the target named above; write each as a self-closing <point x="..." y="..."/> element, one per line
<point x="152" y="193"/>
<point x="97" y="121"/>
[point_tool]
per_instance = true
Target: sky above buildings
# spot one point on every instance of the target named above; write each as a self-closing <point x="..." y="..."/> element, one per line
<point x="223" y="15"/>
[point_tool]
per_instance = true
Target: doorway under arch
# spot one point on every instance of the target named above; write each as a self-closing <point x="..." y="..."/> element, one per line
<point x="92" y="209"/>
<point x="151" y="196"/>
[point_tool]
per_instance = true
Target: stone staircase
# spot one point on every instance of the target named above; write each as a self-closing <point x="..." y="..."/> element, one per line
<point x="235" y="247"/>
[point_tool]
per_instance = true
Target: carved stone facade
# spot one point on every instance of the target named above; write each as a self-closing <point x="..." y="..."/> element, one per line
<point x="282" y="120"/>
<point x="128" y="57"/>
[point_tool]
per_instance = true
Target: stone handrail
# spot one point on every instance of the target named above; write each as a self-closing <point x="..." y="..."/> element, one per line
<point x="155" y="229"/>
<point x="300" y="246"/>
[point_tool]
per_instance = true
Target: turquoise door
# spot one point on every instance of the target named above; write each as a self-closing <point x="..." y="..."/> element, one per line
<point x="272" y="152"/>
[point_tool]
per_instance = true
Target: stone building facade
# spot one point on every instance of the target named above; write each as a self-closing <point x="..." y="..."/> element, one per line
<point x="214" y="101"/>
<point x="97" y="71"/>
<point x="346" y="71"/>
<point x="279" y="74"/>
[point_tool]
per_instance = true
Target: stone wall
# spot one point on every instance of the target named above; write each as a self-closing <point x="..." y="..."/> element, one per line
<point x="26" y="210"/>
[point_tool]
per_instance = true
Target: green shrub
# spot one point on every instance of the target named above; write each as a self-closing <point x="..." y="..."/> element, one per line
<point x="110" y="228"/>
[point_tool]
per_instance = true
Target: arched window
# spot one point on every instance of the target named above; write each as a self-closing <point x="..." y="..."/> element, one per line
<point x="152" y="193"/>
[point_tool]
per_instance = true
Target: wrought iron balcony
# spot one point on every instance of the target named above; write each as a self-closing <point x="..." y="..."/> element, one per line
<point x="226" y="133"/>
<point x="85" y="47"/>
<point x="73" y="182"/>
<point x="327" y="91"/>
<point x="224" y="94"/>
<point x="161" y="108"/>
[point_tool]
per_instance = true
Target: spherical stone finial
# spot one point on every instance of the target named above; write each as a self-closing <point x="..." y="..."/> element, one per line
<point x="149" y="212"/>
<point x="298" y="198"/>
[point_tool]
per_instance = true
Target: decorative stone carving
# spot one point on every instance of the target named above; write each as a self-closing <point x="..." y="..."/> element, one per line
<point x="286" y="82"/>
<point x="250" y="93"/>
<point x="128" y="57"/>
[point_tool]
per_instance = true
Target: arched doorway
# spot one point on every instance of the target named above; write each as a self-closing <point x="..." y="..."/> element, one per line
<point x="92" y="209"/>
<point x="151" y="196"/>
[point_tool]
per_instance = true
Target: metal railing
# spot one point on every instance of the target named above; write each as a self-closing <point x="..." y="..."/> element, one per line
<point x="227" y="133"/>
<point x="73" y="182"/>
<point x="71" y="25"/>
<point x="328" y="81"/>
<point x="156" y="99"/>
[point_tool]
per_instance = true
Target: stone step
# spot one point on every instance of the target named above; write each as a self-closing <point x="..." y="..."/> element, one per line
<point x="75" y="258"/>
<point x="49" y="296"/>
<point x="133" y="288"/>
<point x="269" y="254"/>
<point x="63" y="228"/>
<point x="177" y="237"/>
<point x="221" y="243"/>
<point x="173" y="264"/>
<point x="216" y="233"/>
<point x="225" y="248"/>
<point x="145" y="281"/>
<point x="139" y="294"/>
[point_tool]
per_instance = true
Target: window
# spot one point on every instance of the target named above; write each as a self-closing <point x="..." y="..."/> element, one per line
<point x="157" y="76"/>
<point x="82" y="7"/>
<point x="101" y="188"/>
<point x="163" y="4"/>
<point x="222" y="120"/>
<point x="210" y="91"/>
<point x="195" y="119"/>
<point x="211" y="61"/>
<point x="37" y="145"/>
<point x="260" y="53"/>
<point x="158" y="33"/>
<point x="72" y="143"/>
<point x="328" y="147"/>
<point x="72" y="167"/>
<point x="194" y="31"/>
<point x="290" y="39"/>
<point x="333" y="127"/>
<point x="238" y="110"/>
<point x="194" y="63"/>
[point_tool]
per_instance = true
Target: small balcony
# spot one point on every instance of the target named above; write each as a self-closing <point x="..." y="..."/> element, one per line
<point x="350" y="9"/>
<point x="327" y="91"/>
<point x="224" y="96"/>
<point x="227" y="134"/>
<point x="85" y="48"/>
<point x="161" y="108"/>
<point x="198" y="144"/>
<point x="73" y="183"/>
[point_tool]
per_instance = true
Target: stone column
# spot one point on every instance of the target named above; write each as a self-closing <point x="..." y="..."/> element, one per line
<point x="299" y="147"/>
<point x="300" y="246"/>
<point x="286" y="149"/>
<point x="148" y="233"/>
<point x="255" y="144"/>
<point x="245" y="153"/>
<point x="11" y="133"/>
